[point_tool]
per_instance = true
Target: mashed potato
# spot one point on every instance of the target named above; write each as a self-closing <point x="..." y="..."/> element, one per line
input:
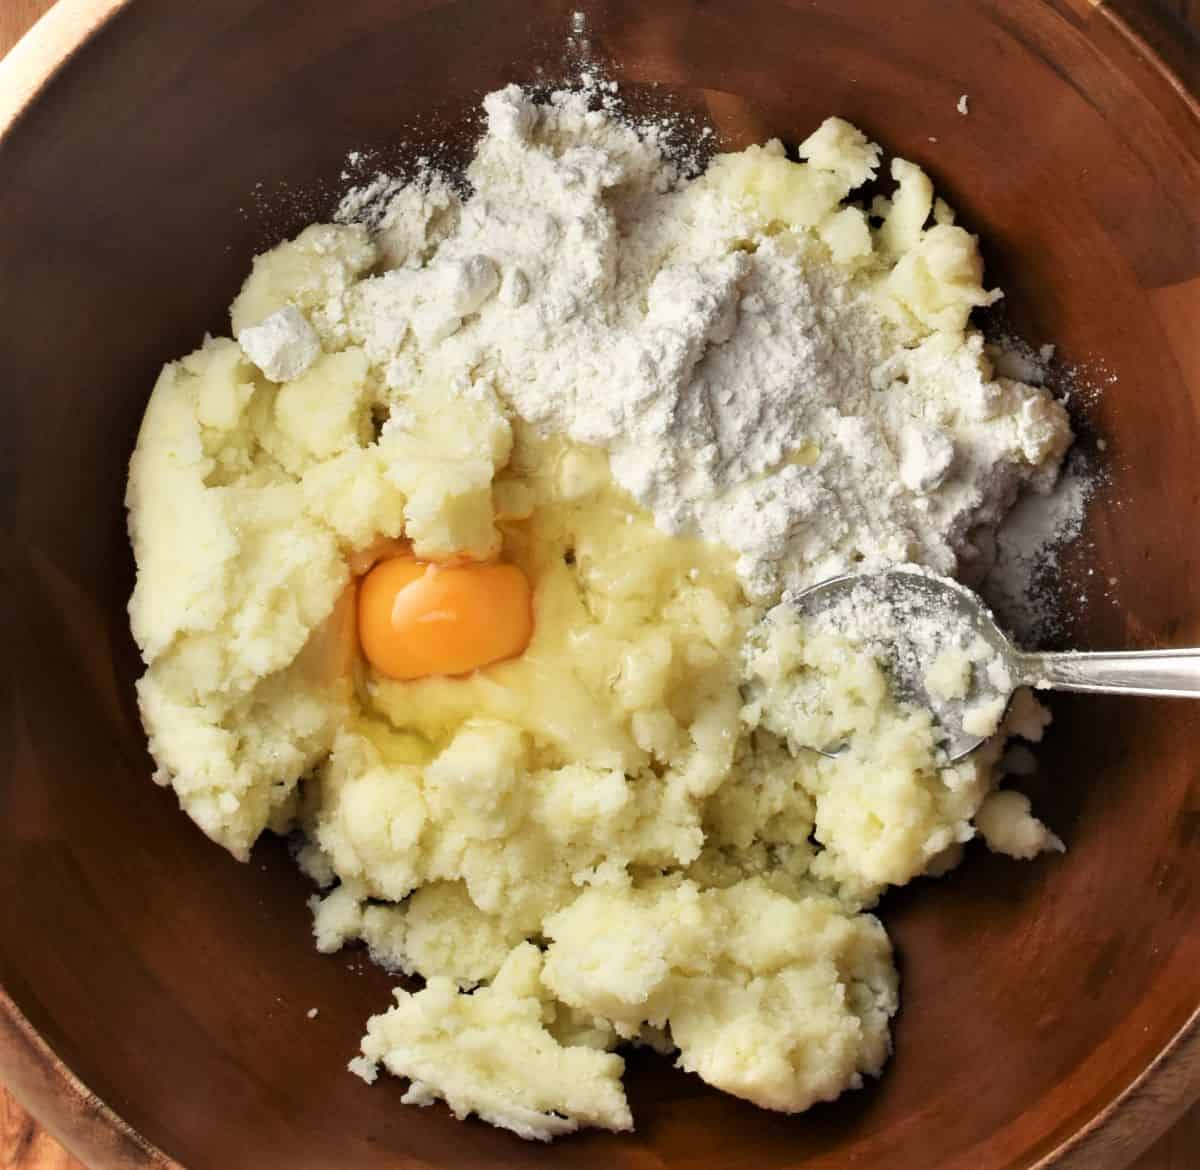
<point x="619" y="836"/>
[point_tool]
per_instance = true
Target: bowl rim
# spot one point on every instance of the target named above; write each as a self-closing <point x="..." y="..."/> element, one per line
<point x="95" y="1133"/>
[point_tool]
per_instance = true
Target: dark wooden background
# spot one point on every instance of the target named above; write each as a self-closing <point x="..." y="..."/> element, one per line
<point x="24" y="1146"/>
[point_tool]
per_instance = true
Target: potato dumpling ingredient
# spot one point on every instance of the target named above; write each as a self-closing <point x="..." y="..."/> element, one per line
<point x="462" y="561"/>
<point x="417" y="618"/>
<point x="528" y="1082"/>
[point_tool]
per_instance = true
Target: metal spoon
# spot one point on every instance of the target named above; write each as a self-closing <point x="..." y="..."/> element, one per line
<point x="913" y="593"/>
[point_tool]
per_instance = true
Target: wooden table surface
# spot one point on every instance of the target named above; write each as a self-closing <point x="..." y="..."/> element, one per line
<point x="25" y="1146"/>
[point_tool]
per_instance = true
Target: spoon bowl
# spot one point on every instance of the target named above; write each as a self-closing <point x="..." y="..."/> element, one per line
<point x="945" y="651"/>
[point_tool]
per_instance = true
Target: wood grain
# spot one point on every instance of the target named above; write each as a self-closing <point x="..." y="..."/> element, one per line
<point x="24" y="1146"/>
<point x="15" y="17"/>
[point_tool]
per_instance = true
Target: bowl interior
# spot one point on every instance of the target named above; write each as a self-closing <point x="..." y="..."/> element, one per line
<point x="184" y="138"/>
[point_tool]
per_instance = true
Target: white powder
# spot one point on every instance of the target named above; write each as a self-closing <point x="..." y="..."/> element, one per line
<point x="746" y="389"/>
<point x="283" y="345"/>
<point x="1026" y="554"/>
<point x="937" y="656"/>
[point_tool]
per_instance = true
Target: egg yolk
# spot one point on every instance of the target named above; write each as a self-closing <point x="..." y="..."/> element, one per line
<point x="417" y="619"/>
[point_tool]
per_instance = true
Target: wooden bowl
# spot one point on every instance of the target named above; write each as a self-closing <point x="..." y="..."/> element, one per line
<point x="1050" y="1009"/>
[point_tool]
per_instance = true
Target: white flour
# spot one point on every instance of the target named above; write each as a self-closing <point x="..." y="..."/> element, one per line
<point x="283" y="346"/>
<point x="746" y="389"/>
<point x="1019" y="585"/>
<point x="935" y="653"/>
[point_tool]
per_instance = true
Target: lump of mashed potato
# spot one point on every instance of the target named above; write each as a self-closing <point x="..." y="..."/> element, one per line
<point x="621" y="835"/>
<point x="885" y="807"/>
<point x="246" y="499"/>
<point x="493" y="1054"/>
<point x="784" y="1001"/>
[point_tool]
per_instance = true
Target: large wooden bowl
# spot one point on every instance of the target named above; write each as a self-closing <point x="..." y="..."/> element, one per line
<point x="156" y="991"/>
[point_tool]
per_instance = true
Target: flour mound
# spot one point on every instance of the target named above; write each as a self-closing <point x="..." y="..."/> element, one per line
<point x="776" y="391"/>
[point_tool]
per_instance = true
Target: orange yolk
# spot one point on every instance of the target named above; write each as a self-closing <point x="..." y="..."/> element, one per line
<point x="416" y="619"/>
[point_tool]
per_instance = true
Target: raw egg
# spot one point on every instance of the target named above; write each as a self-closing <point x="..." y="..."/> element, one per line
<point x="417" y="619"/>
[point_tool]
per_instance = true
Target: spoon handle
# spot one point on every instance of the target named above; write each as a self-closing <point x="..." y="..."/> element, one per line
<point x="1121" y="672"/>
